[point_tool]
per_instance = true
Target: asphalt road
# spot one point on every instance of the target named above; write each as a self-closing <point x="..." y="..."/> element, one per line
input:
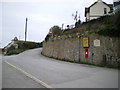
<point x="12" y="78"/>
<point x="60" y="74"/>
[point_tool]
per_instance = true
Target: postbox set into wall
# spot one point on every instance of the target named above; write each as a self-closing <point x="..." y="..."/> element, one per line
<point x="86" y="52"/>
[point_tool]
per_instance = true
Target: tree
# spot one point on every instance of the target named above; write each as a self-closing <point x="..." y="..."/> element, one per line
<point x="47" y="37"/>
<point x="77" y="24"/>
<point x="56" y="30"/>
<point x="77" y="19"/>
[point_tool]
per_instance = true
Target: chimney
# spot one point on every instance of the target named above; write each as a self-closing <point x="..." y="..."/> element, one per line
<point x="99" y="1"/>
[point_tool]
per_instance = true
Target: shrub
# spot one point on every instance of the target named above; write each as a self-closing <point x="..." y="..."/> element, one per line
<point x="56" y="30"/>
<point x="14" y="52"/>
<point x="109" y="30"/>
<point x="77" y="24"/>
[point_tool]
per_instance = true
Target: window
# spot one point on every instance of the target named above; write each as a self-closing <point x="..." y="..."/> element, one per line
<point x="105" y="10"/>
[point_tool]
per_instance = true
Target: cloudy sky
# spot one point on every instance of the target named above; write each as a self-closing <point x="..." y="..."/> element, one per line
<point x="41" y="14"/>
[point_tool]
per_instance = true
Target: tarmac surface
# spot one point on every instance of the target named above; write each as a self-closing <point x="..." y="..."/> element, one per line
<point x="55" y="73"/>
<point x="12" y="78"/>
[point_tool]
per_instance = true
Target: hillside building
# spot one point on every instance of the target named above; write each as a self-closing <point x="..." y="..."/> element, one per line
<point x="97" y="9"/>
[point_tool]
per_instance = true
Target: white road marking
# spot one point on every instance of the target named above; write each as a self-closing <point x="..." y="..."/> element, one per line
<point x="31" y="76"/>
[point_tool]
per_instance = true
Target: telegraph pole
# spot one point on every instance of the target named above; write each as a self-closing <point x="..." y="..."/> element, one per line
<point x="26" y="29"/>
<point x="62" y="26"/>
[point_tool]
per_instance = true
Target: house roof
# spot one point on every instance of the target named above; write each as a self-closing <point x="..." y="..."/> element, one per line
<point x="87" y="9"/>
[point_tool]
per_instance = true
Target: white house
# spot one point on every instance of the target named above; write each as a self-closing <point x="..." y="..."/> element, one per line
<point x="97" y="9"/>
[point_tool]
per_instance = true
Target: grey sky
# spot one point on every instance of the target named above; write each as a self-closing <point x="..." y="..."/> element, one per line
<point x="42" y="15"/>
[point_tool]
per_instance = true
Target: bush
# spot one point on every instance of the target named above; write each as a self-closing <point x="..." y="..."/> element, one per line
<point x="109" y="30"/>
<point x="47" y="37"/>
<point x="56" y="30"/>
<point x="14" y="52"/>
<point x="22" y="46"/>
<point x="77" y="24"/>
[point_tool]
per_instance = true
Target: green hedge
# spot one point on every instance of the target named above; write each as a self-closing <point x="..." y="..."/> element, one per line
<point x="14" y="52"/>
<point x="109" y="30"/>
<point x="22" y="46"/>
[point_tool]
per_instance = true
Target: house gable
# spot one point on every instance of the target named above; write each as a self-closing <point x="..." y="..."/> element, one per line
<point x="97" y="9"/>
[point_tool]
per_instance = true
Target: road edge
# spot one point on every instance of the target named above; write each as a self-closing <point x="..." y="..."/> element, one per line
<point x="31" y="76"/>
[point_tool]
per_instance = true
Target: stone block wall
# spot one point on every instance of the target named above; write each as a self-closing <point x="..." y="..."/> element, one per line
<point x="107" y="54"/>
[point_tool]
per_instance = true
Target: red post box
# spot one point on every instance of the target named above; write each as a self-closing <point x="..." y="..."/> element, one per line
<point x="86" y="52"/>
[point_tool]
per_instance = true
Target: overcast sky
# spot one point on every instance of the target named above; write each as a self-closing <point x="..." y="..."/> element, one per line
<point x="41" y="14"/>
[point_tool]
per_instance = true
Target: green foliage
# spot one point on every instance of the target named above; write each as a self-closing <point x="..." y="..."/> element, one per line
<point x="22" y="47"/>
<point x="29" y="45"/>
<point x="108" y="25"/>
<point x="47" y="37"/>
<point x="14" y="52"/>
<point x="109" y="30"/>
<point x="77" y="24"/>
<point x="117" y="20"/>
<point x="56" y="30"/>
<point x="102" y="19"/>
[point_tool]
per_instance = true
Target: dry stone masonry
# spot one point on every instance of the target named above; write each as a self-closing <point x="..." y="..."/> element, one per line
<point x="102" y="50"/>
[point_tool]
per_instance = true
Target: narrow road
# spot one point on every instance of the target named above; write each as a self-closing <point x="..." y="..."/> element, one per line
<point x="12" y="78"/>
<point x="60" y="74"/>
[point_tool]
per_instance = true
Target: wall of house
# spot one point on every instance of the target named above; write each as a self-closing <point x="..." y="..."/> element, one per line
<point x="93" y="17"/>
<point x="106" y="54"/>
<point x="97" y="10"/>
<point x="88" y="16"/>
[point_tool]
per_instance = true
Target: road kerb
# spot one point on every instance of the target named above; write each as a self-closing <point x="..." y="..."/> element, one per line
<point x="31" y="76"/>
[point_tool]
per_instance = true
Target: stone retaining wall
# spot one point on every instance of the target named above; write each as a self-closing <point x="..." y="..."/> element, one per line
<point x="107" y="54"/>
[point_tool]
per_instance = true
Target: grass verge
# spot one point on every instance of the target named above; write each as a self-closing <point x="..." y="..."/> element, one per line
<point x="15" y="52"/>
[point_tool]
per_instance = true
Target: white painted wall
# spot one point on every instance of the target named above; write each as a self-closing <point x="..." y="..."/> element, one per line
<point x="93" y="18"/>
<point x="88" y="16"/>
